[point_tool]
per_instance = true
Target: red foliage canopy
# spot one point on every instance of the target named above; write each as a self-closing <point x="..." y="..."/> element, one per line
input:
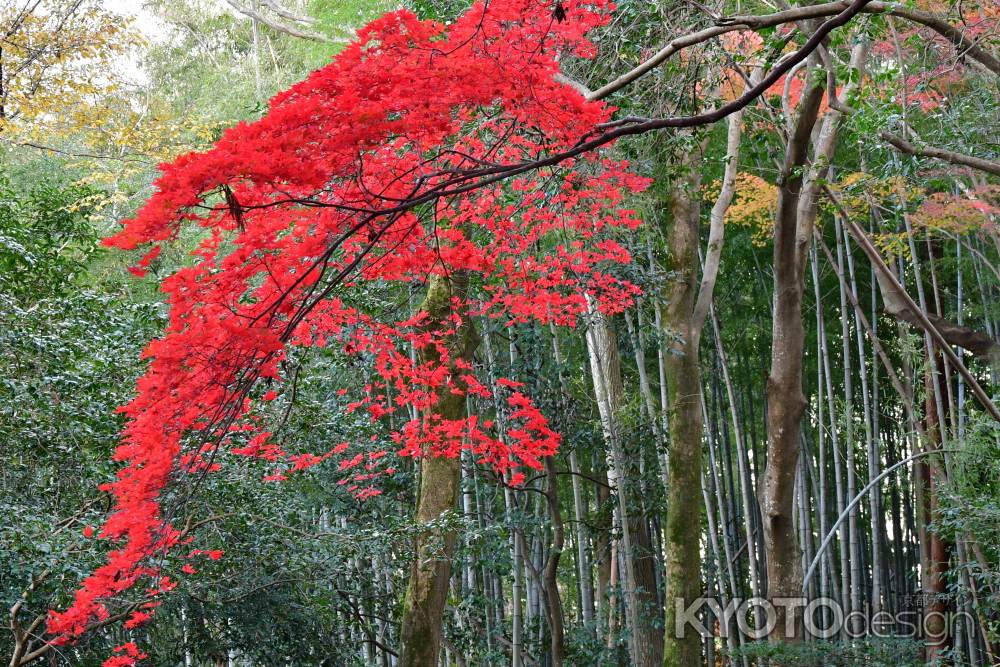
<point x="320" y="191"/>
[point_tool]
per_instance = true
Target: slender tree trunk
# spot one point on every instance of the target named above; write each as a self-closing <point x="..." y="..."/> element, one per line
<point x="853" y="547"/>
<point x="584" y="575"/>
<point x="743" y="465"/>
<point x="553" y="600"/>
<point x="936" y="554"/>
<point x="733" y="637"/>
<point x="639" y="565"/>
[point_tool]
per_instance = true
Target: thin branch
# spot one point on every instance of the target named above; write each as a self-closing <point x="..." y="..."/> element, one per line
<point x="965" y="45"/>
<point x="285" y="13"/>
<point x="95" y="156"/>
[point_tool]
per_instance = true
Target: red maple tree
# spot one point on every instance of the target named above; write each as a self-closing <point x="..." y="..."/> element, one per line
<point x="357" y="174"/>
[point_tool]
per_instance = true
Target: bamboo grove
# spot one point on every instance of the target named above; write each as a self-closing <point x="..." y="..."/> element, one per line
<point x="516" y="332"/>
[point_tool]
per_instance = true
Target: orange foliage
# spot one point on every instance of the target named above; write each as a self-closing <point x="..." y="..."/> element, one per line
<point x="960" y="214"/>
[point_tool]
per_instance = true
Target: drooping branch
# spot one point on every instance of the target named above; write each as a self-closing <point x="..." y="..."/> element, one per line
<point x="974" y="341"/>
<point x="905" y="146"/>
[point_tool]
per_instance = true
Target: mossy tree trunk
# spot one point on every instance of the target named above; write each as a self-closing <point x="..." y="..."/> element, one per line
<point x="682" y="572"/>
<point x="427" y="591"/>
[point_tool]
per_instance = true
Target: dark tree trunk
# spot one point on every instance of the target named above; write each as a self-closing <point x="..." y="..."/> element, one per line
<point x="785" y="400"/>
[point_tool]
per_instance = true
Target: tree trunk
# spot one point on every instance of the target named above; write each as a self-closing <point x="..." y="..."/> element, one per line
<point x="785" y="400"/>
<point x="553" y="600"/>
<point x="584" y="576"/>
<point x="682" y="646"/>
<point x="423" y="607"/>
<point x="639" y="565"/>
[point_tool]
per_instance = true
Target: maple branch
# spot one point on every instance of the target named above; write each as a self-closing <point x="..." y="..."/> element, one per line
<point x="905" y="146"/>
<point x="274" y="25"/>
<point x="468" y="180"/>
<point x="965" y="44"/>
<point x="97" y="625"/>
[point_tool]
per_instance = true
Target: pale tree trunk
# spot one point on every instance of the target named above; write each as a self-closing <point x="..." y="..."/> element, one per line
<point x="853" y="546"/>
<point x="423" y="607"/>
<point x="646" y="641"/>
<point x="734" y="639"/>
<point x="874" y="496"/>
<point x="742" y="463"/>
<point x="821" y="511"/>
<point x="516" y="545"/>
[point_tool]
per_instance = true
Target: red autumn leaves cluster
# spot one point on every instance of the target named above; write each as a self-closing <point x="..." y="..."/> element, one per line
<point x="313" y="196"/>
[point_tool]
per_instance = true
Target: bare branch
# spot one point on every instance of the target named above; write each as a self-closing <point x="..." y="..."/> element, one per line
<point x="280" y="27"/>
<point x="661" y="56"/>
<point x="966" y="45"/>
<point x="579" y="86"/>
<point x="284" y="13"/>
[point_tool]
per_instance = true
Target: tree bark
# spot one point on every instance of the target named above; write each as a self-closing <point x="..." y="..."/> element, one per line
<point x="423" y="607"/>
<point x="785" y="400"/>
<point x="682" y="565"/>
<point x="553" y="600"/>
<point x="639" y="565"/>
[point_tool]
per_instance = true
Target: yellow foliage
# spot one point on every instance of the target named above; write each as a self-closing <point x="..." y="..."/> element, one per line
<point x="57" y="57"/>
<point x="971" y="212"/>
<point x="859" y="192"/>
<point x="753" y="205"/>
<point x="63" y="91"/>
<point x="892" y="244"/>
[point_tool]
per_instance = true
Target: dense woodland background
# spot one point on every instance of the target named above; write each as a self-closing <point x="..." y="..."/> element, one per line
<point x="570" y="567"/>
